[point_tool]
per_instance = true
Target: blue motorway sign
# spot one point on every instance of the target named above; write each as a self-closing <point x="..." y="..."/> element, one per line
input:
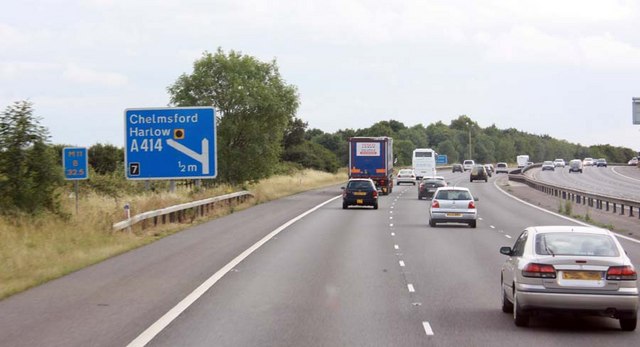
<point x="442" y="159"/>
<point x="170" y="143"/>
<point x="75" y="162"/>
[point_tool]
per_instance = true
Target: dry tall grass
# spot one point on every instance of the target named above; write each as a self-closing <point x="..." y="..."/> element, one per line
<point x="36" y="250"/>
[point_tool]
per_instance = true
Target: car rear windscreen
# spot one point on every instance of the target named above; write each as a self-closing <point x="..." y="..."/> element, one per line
<point x="453" y="195"/>
<point x="363" y="185"/>
<point x="576" y="244"/>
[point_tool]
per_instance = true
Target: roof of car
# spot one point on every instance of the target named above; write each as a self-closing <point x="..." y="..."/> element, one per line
<point x="569" y="228"/>
<point x="454" y="188"/>
<point x="360" y="179"/>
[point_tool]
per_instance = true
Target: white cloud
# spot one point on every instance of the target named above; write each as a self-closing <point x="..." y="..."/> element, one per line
<point x="605" y="52"/>
<point x="83" y="75"/>
<point x="18" y="69"/>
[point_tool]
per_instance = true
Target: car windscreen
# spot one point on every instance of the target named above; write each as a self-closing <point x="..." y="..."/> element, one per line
<point x="453" y="195"/>
<point x="359" y="185"/>
<point x="576" y="244"/>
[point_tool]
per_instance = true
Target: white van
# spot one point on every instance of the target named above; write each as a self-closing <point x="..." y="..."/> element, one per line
<point x="522" y="160"/>
<point x="468" y="164"/>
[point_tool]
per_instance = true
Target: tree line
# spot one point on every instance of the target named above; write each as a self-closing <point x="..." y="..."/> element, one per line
<point x="258" y="135"/>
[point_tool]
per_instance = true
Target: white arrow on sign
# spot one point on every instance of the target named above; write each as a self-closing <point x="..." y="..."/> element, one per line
<point x="202" y="158"/>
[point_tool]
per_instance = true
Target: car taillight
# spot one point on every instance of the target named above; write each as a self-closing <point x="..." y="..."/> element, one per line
<point x="435" y="204"/>
<point x="375" y="193"/>
<point x="472" y="204"/>
<point x="620" y="273"/>
<point x="539" y="270"/>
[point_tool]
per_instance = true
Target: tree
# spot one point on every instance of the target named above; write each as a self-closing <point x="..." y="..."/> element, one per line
<point x="254" y="105"/>
<point x="105" y="159"/>
<point x="28" y="170"/>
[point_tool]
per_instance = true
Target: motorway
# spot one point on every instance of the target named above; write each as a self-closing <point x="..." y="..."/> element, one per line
<point x="615" y="181"/>
<point x="357" y="277"/>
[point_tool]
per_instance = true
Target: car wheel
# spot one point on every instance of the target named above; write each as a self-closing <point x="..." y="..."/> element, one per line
<point x="375" y="206"/>
<point x="344" y="205"/>
<point x="486" y="180"/>
<point x="473" y="224"/>
<point x="432" y="223"/>
<point x="628" y="324"/>
<point x="520" y="318"/>
<point x="507" y="306"/>
<point x="470" y="180"/>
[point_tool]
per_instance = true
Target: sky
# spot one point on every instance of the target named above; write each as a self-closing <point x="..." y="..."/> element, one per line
<point x="564" y="68"/>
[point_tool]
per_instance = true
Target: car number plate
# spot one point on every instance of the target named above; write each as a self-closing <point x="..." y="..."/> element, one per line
<point x="431" y="190"/>
<point x="360" y="201"/>
<point x="360" y="193"/>
<point x="582" y="275"/>
<point x="454" y="214"/>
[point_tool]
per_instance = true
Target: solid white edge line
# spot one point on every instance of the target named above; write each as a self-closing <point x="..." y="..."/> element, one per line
<point x="410" y="287"/>
<point x="619" y="174"/>
<point x="559" y="215"/>
<point x="427" y="328"/>
<point x="155" y="328"/>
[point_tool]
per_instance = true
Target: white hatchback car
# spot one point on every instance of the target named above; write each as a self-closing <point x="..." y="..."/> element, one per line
<point x="582" y="270"/>
<point x="453" y="205"/>
<point x="406" y="176"/>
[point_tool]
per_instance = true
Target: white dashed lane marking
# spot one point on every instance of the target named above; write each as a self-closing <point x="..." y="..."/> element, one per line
<point x="492" y="227"/>
<point x="508" y="236"/>
<point x="396" y="246"/>
<point x="427" y="328"/>
<point x="411" y="289"/>
<point x="401" y="263"/>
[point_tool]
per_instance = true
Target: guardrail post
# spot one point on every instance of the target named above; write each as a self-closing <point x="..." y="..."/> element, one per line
<point x="630" y="211"/>
<point x="607" y="206"/>
<point x="621" y="209"/>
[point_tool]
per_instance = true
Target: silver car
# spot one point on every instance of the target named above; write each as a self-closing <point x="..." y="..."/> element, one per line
<point x="576" y="269"/>
<point x="453" y="205"/>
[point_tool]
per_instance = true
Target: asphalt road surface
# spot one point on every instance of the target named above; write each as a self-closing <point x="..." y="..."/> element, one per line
<point x="356" y="277"/>
<point x="617" y="181"/>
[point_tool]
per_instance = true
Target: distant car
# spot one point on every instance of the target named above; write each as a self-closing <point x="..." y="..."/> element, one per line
<point x="457" y="168"/>
<point x="406" y="176"/>
<point x="573" y="269"/>
<point x="633" y="161"/>
<point x="502" y="168"/>
<point x="478" y="172"/>
<point x="559" y="163"/>
<point x="587" y="162"/>
<point x="453" y="205"/>
<point x="575" y="165"/>
<point x="468" y="164"/>
<point x="489" y="168"/>
<point x="360" y="192"/>
<point x="548" y="165"/>
<point x="601" y="162"/>
<point x="428" y="187"/>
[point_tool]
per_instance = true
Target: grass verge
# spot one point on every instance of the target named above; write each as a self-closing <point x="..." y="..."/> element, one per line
<point x="34" y="250"/>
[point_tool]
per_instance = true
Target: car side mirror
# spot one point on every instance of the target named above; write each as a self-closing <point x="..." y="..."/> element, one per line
<point x="342" y="188"/>
<point x="506" y="251"/>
